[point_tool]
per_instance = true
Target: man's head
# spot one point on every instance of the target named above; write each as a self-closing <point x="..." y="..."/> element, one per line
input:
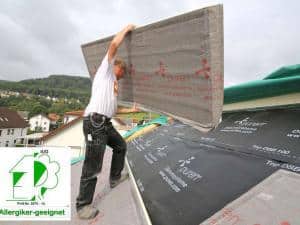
<point x="119" y="68"/>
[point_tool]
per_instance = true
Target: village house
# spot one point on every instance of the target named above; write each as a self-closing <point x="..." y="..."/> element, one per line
<point x="12" y="127"/>
<point x="40" y="123"/>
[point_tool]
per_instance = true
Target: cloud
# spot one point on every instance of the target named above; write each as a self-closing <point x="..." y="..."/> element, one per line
<point x="259" y="38"/>
<point x="39" y="38"/>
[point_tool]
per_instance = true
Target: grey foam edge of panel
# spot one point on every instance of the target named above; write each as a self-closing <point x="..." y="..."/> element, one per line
<point x="85" y="56"/>
<point x="181" y="17"/>
<point x="216" y="43"/>
<point x="231" y="213"/>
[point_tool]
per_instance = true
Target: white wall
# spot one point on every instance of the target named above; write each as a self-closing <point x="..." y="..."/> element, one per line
<point x="72" y="137"/>
<point x="10" y="138"/>
<point x="39" y="121"/>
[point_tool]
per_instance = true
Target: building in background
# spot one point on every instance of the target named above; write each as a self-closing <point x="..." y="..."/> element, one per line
<point x="31" y="140"/>
<point x="12" y="127"/>
<point x="39" y="123"/>
<point x="54" y="120"/>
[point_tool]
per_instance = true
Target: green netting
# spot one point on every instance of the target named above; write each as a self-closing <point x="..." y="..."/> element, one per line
<point x="160" y="120"/>
<point x="286" y="80"/>
<point x="77" y="159"/>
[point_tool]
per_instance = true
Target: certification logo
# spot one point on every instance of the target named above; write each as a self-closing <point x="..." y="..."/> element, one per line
<point x="35" y="183"/>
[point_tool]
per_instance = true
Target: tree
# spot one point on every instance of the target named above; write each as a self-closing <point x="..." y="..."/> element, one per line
<point x="38" y="109"/>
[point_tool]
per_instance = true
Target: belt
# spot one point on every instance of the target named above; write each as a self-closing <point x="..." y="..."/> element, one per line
<point x="98" y="118"/>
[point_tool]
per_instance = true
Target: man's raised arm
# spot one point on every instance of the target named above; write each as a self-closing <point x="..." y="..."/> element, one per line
<point x="117" y="40"/>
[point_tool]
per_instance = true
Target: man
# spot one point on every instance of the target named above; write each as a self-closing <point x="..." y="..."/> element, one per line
<point x="98" y="129"/>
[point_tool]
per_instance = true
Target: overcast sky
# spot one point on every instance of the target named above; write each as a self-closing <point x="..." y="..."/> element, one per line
<point x="39" y="38"/>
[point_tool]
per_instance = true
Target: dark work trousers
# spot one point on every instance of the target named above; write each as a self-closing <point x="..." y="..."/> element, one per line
<point x="99" y="132"/>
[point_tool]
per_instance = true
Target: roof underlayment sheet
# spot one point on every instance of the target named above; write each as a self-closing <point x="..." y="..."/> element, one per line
<point x="175" y="66"/>
<point x="186" y="176"/>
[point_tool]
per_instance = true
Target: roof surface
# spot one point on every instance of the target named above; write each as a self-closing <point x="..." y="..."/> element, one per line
<point x="186" y="176"/>
<point x="11" y="119"/>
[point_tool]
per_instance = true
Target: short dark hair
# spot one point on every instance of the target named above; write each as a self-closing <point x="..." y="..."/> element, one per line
<point x="120" y="63"/>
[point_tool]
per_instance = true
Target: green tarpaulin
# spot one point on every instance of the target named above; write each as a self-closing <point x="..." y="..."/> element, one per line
<point x="283" y="81"/>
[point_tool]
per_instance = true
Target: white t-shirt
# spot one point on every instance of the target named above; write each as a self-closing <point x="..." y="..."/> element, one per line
<point x="104" y="90"/>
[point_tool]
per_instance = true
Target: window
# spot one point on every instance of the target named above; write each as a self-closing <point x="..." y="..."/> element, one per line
<point x="15" y="141"/>
<point x="44" y="128"/>
<point x="0" y="132"/>
<point x="6" y="143"/>
<point x="36" y="122"/>
<point x="45" y="123"/>
<point x="8" y="131"/>
<point x="12" y="131"/>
